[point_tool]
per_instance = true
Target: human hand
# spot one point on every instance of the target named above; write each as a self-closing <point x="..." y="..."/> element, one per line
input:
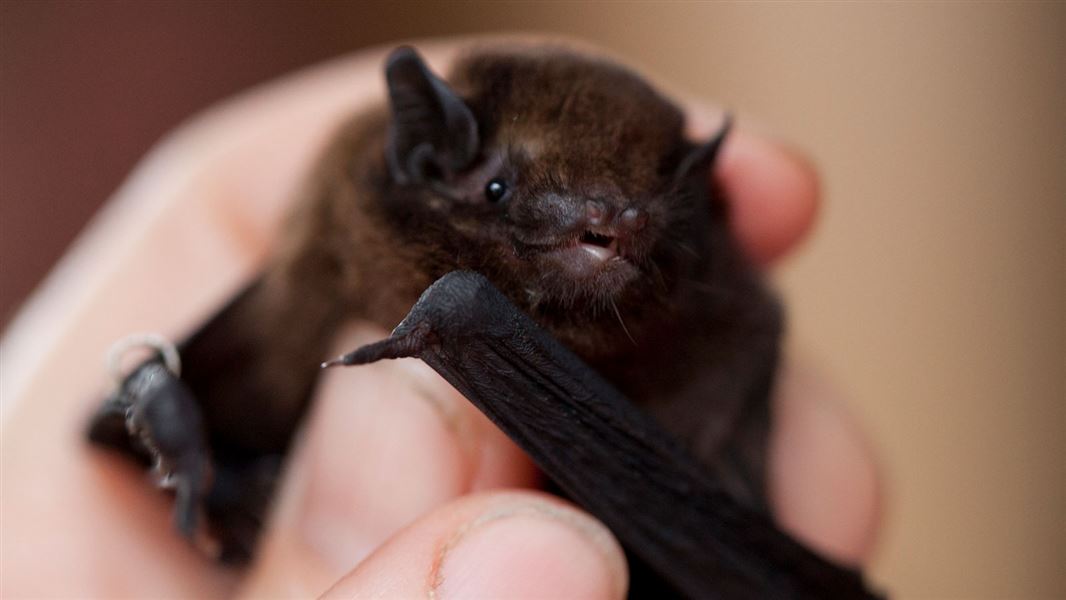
<point x="389" y="491"/>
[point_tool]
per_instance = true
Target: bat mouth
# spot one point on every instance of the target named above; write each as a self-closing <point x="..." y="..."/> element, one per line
<point x="594" y="257"/>
<point x="599" y="259"/>
<point x="601" y="246"/>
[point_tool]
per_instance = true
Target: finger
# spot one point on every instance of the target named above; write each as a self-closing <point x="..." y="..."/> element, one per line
<point x="499" y="545"/>
<point x="772" y="192"/>
<point x="824" y="482"/>
<point x="385" y="443"/>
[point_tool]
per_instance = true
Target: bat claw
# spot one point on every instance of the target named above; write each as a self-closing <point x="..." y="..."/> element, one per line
<point x="408" y="344"/>
<point x="154" y="415"/>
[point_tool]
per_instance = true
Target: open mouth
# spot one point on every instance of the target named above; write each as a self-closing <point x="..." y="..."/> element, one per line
<point x="594" y="256"/>
<point x="600" y="246"/>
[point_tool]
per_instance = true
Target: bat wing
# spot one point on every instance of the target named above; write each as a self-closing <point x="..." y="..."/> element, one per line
<point x="606" y="454"/>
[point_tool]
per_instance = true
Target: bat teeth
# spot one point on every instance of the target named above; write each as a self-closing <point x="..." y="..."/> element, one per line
<point x="601" y="238"/>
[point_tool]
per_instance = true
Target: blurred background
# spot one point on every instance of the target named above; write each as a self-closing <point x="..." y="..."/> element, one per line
<point x="934" y="287"/>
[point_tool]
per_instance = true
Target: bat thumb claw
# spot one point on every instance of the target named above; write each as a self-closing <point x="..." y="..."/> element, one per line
<point x="401" y="346"/>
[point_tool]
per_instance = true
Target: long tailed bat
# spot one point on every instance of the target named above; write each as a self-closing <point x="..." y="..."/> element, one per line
<point x="566" y="183"/>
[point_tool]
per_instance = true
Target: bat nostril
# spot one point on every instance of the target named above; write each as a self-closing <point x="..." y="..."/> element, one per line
<point x="633" y="219"/>
<point x="595" y="212"/>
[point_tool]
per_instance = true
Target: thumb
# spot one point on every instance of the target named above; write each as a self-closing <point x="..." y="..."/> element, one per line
<point x="513" y="544"/>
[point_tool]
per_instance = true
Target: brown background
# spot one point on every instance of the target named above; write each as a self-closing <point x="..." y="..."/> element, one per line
<point x="934" y="287"/>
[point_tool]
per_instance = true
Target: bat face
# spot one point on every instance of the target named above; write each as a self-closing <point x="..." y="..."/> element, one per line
<point x="565" y="180"/>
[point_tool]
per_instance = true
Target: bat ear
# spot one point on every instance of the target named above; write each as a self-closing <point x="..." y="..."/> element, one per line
<point x="433" y="132"/>
<point x="703" y="156"/>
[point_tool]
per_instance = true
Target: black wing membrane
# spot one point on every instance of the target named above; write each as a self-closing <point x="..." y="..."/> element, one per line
<point x="606" y="454"/>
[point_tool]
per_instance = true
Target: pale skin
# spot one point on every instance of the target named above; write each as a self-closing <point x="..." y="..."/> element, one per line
<point x="397" y="487"/>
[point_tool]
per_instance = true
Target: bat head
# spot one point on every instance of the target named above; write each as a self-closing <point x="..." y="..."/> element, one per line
<point x="566" y="180"/>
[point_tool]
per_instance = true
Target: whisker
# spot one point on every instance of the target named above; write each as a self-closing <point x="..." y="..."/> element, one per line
<point x="621" y="322"/>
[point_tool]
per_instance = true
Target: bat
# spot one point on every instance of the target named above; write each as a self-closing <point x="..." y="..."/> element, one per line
<point x="608" y="291"/>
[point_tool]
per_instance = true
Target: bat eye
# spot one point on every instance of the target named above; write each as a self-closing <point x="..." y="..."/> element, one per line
<point x="496" y="190"/>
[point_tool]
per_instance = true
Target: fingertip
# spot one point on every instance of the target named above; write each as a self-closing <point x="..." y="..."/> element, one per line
<point x="528" y="554"/>
<point x="512" y="544"/>
<point x="773" y="192"/>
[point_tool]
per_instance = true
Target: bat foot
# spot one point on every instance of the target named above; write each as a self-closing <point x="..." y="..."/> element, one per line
<point x="154" y="418"/>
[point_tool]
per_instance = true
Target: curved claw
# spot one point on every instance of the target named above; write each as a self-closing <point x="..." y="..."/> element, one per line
<point x="163" y="417"/>
<point x="404" y="345"/>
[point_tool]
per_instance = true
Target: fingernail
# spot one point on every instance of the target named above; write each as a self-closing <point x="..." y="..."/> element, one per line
<point x="531" y="550"/>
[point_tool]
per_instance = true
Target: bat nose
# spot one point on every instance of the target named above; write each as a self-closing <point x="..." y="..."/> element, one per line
<point x="630" y="220"/>
<point x="595" y="213"/>
<point x="603" y="219"/>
